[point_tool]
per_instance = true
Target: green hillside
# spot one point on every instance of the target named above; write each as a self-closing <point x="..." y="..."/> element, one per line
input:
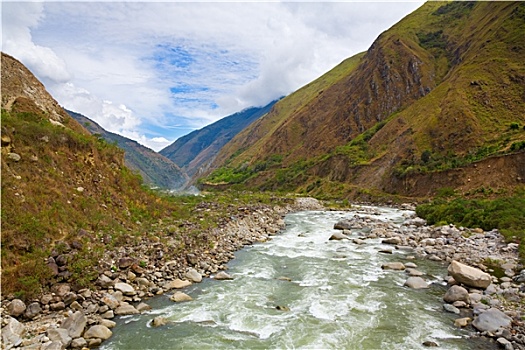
<point x="434" y="94"/>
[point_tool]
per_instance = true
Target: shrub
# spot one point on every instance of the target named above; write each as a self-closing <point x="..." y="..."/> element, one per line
<point x="514" y="126"/>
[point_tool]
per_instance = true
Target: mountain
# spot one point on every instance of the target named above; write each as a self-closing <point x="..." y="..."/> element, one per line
<point x="155" y="169"/>
<point x="63" y="190"/>
<point x="194" y="152"/>
<point x="439" y="91"/>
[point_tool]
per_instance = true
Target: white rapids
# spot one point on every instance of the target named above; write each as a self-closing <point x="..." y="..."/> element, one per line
<point x="303" y="291"/>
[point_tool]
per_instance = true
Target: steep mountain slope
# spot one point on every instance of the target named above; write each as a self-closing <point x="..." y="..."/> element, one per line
<point x="194" y="152"/>
<point x="442" y="88"/>
<point x="155" y="169"/>
<point x="62" y="189"/>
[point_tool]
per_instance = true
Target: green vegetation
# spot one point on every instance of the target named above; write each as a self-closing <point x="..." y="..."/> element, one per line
<point x="507" y="214"/>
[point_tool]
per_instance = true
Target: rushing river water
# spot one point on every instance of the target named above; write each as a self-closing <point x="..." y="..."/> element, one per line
<point x="337" y="295"/>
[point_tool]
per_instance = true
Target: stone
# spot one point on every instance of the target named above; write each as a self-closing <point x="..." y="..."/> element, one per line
<point x="462" y="322"/>
<point x="221" y="275"/>
<point x="108" y="314"/>
<point x="57" y="306"/>
<point x="386" y="251"/>
<point x="13" y="333"/>
<point x="337" y="236"/>
<point x="459" y="304"/>
<point x="105" y="282"/>
<point x="450" y="308"/>
<point x="456" y="293"/>
<point x="410" y="265"/>
<point x="75" y="324"/>
<point x="60" y="335"/>
<point x="107" y="323"/>
<point x="110" y="301"/>
<point x="125" y="262"/>
<point x="125" y="288"/>
<point x="177" y="284"/>
<point x="98" y="332"/>
<point x="491" y="320"/>
<point x="413" y="272"/>
<point x="53" y="345"/>
<point x="416" y="283"/>
<point x="282" y="308"/>
<point x="180" y="297"/>
<point x="61" y="289"/>
<point x="468" y="275"/>
<point x="159" y="321"/>
<point x="14" y="157"/>
<point x="430" y="344"/>
<point x="126" y="309"/>
<point x="193" y="275"/>
<point x="392" y="240"/>
<point x="143" y="307"/>
<point x="78" y="343"/>
<point x="16" y="307"/>
<point x="94" y="342"/>
<point x="393" y="266"/>
<point x="344" y="225"/>
<point x="32" y="310"/>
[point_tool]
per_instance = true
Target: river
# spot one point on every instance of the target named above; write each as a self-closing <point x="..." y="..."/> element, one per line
<point x="303" y="291"/>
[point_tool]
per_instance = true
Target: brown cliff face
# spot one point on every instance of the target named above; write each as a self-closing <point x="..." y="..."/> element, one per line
<point x="437" y="90"/>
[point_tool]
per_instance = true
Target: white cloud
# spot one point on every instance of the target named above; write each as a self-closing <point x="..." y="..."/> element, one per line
<point x="150" y="70"/>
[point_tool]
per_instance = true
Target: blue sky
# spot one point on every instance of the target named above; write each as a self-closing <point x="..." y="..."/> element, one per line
<point x="154" y="71"/>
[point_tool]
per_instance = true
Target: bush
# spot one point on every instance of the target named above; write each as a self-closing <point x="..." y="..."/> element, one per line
<point x="514" y="126"/>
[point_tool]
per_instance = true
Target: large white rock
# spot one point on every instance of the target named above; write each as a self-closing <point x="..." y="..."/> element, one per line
<point x="393" y="266"/>
<point x="193" y="275"/>
<point x="416" y="283"/>
<point x="98" y="331"/>
<point x="456" y="293"/>
<point x="12" y="333"/>
<point x="75" y="324"/>
<point x="180" y="297"/>
<point x="177" y="284"/>
<point x="468" y="275"/>
<point x="126" y="309"/>
<point x="125" y="288"/>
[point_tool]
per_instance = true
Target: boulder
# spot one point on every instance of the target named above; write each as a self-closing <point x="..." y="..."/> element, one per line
<point x="143" y="307"/>
<point x="451" y="308"/>
<point x="60" y="335"/>
<point x="177" y="284"/>
<point x="491" y="320"/>
<point x="16" y="307"/>
<point x="392" y="240"/>
<point x="180" y="297"/>
<point x="413" y="272"/>
<point x="468" y="275"/>
<point x="32" y="310"/>
<point x="98" y="332"/>
<point x="126" y="309"/>
<point x="344" y="225"/>
<point x="75" y="324"/>
<point x="125" y="288"/>
<point x="104" y="281"/>
<point x="110" y="301"/>
<point x="12" y="333"/>
<point x="462" y="322"/>
<point x="193" y="275"/>
<point x="78" y="343"/>
<point x="222" y="276"/>
<point x="416" y="283"/>
<point x="159" y="321"/>
<point x="456" y="293"/>
<point x="107" y="323"/>
<point x="337" y="236"/>
<point x="393" y="266"/>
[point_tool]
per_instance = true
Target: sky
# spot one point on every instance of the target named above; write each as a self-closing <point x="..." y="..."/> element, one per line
<point x="155" y="71"/>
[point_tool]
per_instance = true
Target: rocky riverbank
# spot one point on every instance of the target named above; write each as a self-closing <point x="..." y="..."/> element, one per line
<point x="69" y="318"/>
<point x="485" y="286"/>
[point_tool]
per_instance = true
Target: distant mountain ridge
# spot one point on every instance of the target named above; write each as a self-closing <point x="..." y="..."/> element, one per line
<point x="155" y="169"/>
<point x="440" y="90"/>
<point x="195" y="151"/>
